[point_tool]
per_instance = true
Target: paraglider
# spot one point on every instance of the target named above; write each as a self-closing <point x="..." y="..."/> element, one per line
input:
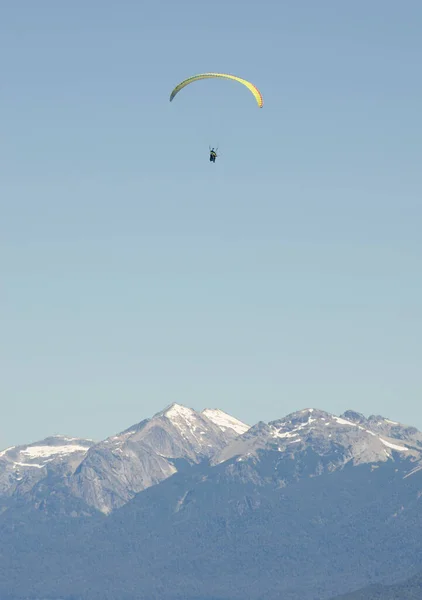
<point x="250" y="86"/>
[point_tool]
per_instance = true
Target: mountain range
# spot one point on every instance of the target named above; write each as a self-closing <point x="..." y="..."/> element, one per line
<point x="199" y="505"/>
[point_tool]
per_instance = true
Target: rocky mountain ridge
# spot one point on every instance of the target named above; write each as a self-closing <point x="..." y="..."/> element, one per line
<point x="198" y="506"/>
<point x="107" y="474"/>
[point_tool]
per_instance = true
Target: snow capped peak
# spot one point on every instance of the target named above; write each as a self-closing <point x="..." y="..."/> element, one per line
<point x="312" y="418"/>
<point x="52" y="449"/>
<point x="177" y="414"/>
<point x="194" y="427"/>
<point x="225" y="421"/>
<point x="146" y="454"/>
<point x="336" y="440"/>
<point x="177" y="411"/>
<point x="301" y="419"/>
<point x="185" y="420"/>
<point x="27" y="465"/>
<point x="363" y="439"/>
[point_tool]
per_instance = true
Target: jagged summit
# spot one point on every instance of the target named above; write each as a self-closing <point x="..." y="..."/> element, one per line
<point x="182" y="417"/>
<point x="175" y="410"/>
<point x="147" y="453"/>
<point x="195" y="427"/>
<point x="307" y="503"/>
<point x="337" y="440"/>
<point x="178" y="413"/>
<point x="354" y="416"/>
<point x="108" y="474"/>
<point x="367" y="439"/>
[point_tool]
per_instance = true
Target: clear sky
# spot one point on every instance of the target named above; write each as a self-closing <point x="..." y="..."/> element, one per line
<point x="134" y="273"/>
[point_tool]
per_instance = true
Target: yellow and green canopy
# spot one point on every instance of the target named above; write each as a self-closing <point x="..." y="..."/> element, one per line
<point x="252" y="88"/>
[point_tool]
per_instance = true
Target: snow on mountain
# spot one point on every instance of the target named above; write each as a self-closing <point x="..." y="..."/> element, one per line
<point x="21" y="467"/>
<point x="145" y="454"/>
<point x="309" y="503"/>
<point x="108" y="474"/>
<point x="38" y="454"/>
<point x="4" y="452"/>
<point x="334" y="441"/>
<point x="394" y="446"/>
<point x="225" y="421"/>
<point x="366" y="440"/>
<point x="49" y="453"/>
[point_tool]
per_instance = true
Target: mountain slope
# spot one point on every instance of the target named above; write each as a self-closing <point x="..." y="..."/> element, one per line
<point x="225" y="421"/>
<point x="304" y="507"/>
<point x="23" y="467"/>
<point x="215" y="533"/>
<point x="333" y="441"/>
<point x="114" y="470"/>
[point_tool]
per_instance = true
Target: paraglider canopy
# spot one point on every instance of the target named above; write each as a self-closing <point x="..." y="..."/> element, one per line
<point x="252" y="88"/>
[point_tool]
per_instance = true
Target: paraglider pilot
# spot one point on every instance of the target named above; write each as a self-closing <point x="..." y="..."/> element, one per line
<point x="213" y="155"/>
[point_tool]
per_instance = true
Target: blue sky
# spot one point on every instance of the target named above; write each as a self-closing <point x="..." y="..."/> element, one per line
<point x="134" y="273"/>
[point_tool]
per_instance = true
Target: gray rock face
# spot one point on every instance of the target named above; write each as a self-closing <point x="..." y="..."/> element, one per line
<point x="386" y="427"/>
<point x="106" y="475"/>
<point x="120" y="467"/>
<point x="332" y="441"/>
<point x="22" y="467"/>
<point x="195" y="505"/>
